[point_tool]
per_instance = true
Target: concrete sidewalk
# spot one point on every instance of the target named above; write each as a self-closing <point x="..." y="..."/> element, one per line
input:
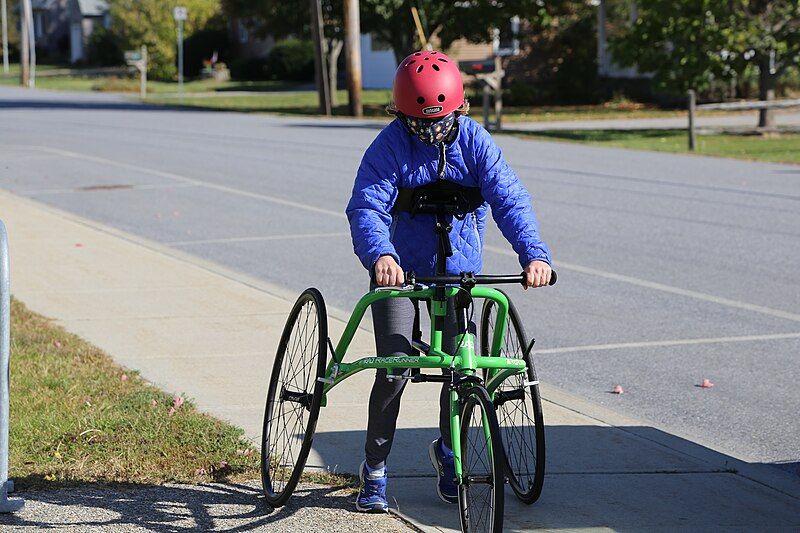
<point x="197" y="328"/>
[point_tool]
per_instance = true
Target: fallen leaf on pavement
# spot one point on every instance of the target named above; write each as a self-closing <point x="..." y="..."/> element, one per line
<point x="618" y="389"/>
<point x="706" y="384"/>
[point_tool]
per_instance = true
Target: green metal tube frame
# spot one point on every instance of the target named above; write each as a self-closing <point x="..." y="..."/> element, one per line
<point x="464" y="361"/>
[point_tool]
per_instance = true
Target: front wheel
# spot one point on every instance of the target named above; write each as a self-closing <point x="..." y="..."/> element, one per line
<point x="294" y="396"/>
<point x="519" y="407"/>
<point x="480" y="491"/>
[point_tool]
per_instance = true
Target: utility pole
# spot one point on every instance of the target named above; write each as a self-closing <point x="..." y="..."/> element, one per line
<point x="4" y="23"/>
<point x="24" y="74"/>
<point x="352" y="31"/>
<point x="320" y="64"/>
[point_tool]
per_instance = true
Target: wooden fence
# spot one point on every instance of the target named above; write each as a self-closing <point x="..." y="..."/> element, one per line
<point x="730" y="106"/>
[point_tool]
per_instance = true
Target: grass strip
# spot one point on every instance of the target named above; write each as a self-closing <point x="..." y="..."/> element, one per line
<point x="776" y="148"/>
<point x="78" y="417"/>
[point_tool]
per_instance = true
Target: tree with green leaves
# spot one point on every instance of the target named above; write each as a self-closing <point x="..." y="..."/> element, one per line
<point x="687" y="44"/>
<point x="391" y="21"/>
<point x="292" y="18"/>
<point x="151" y="22"/>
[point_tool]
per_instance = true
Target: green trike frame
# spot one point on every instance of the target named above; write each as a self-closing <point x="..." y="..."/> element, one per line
<point x="465" y="361"/>
<point x="478" y="388"/>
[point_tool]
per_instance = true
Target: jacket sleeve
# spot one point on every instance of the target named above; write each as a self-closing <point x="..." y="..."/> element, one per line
<point x="368" y="211"/>
<point x="509" y="200"/>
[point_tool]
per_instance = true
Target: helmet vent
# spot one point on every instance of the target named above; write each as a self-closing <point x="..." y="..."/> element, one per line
<point x="435" y="67"/>
<point x="420" y="100"/>
<point x="419" y="68"/>
<point x="418" y="54"/>
<point x="411" y="62"/>
<point x="441" y="98"/>
<point x="442" y="60"/>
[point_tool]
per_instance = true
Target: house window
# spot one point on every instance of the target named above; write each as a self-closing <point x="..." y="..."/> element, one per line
<point x="38" y="24"/>
<point x="244" y="35"/>
<point x="377" y="44"/>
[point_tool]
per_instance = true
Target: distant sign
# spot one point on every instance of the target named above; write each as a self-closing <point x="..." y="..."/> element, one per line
<point x="133" y="56"/>
<point x="179" y="13"/>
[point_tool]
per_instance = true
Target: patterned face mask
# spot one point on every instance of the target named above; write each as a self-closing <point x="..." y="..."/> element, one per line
<point x="431" y="131"/>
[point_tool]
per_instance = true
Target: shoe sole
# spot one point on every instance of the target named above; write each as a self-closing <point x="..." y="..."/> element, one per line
<point x="437" y="467"/>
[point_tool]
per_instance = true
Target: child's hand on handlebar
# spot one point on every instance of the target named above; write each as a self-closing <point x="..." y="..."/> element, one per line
<point x="388" y="273"/>
<point x="537" y="274"/>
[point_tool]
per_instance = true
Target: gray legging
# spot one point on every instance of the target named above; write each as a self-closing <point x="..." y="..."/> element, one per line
<point x="393" y="320"/>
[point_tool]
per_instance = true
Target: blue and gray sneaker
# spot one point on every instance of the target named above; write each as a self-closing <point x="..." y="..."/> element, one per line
<point x="372" y="494"/>
<point x="444" y="464"/>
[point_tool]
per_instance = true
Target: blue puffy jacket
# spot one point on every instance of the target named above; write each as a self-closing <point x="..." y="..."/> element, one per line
<point x="397" y="159"/>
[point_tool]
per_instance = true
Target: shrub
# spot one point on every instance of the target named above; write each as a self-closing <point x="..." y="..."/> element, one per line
<point x="250" y="69"/>
<point x="292" y="60"/>
<point x="103" y="49"/>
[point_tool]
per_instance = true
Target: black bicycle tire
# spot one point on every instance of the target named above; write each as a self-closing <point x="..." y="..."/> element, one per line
<point x="534" y="490"/>
<point x="472" y="396"/>
<point x="273" y="498"/>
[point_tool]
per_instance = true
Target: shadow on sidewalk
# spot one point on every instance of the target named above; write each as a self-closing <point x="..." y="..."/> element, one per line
<point x="173" y="508"/>
<point x="634" y="477"/>
<point x="597" y="476"/>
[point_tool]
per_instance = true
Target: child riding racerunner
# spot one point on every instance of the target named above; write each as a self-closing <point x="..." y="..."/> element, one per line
<point x="431" y="143"/>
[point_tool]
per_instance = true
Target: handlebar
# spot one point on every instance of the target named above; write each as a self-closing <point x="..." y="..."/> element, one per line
<point x="470" y="279"/>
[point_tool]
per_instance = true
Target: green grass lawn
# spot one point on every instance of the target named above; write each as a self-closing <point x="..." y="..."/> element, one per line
<point x="783" y="148"/>
<point x="129" y="85"/>
<point x="78" y="417"/>
<point x="285" y="102"/>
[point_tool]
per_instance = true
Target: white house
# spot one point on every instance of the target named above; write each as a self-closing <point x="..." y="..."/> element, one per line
<point x="84" y="17"/>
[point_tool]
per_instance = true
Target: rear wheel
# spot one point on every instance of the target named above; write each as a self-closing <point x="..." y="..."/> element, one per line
<point x="519" y="407"/>
<point x="294" y="396"/>
<point x="480" y="492"/>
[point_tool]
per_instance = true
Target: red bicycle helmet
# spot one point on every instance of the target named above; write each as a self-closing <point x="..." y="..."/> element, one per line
<point x="428" y="84"/>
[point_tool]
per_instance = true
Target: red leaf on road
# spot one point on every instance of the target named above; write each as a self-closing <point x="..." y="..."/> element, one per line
<point x="618" y="389"/>
<point x="78" y="245"/>
<point x="706" y="384"/>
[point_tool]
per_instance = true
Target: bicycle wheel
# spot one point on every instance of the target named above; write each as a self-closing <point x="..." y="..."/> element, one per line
<point x="519" y="408"/>
<point x="480" y="493"/>
<point x="294" y="396"/>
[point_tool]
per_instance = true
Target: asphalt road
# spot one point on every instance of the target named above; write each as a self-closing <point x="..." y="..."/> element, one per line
<point x="672" y="268"/>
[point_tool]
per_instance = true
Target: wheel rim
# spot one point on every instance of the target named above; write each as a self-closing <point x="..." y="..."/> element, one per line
<point x="516" y="416"/>
<point x="478" y="469"/>
<point x="291" y="397"/>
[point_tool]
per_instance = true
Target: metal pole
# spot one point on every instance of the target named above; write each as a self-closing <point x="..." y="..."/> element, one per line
<point x="352" y="29"/>
<point x="7" y="505"/>
<point x="180" y="56"/>
<point x="23" y="46"/>
<point x="692" y="110"/>
<point x="320" y="64"/>
<point x="4" y="14"/>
